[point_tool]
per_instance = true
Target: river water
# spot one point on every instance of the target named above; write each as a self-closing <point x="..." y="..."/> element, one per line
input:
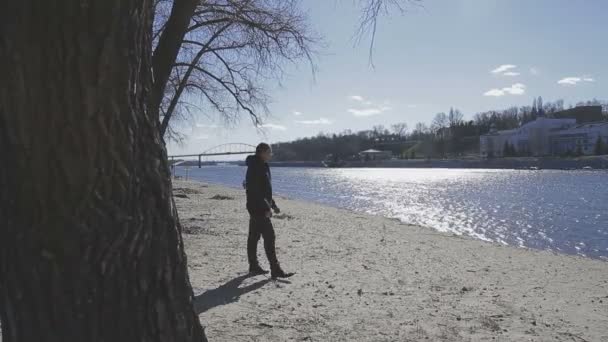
<point x="565" y="211"/>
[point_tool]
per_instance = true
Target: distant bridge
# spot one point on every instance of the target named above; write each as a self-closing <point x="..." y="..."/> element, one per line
<point x="220" y="150"/>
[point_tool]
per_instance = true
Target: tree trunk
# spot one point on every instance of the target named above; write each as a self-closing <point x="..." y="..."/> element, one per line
<point x="90" y="245"/>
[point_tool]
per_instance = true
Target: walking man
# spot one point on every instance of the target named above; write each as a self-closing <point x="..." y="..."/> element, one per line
<point x="260" y="206"/>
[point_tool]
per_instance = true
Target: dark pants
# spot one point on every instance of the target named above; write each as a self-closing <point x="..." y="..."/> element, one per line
<point x="261" y="226"/>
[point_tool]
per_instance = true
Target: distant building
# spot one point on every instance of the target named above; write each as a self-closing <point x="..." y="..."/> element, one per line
<point x="372" y="154"/>
<point x="581" y="138"/>
<point x="544" y="137"/>
<point x="533" y="138"/>
<point x="492" y="144"/>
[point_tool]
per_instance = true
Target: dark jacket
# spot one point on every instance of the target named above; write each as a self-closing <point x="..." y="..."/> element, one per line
<point x="259" y="187"/>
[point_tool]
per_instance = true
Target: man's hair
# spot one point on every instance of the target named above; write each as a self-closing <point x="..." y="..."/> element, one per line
<point x="261" y="148"/>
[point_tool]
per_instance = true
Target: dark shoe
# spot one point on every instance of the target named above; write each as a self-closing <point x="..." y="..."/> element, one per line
<point x="280" y="274"/>
<point x="257" y="270"/>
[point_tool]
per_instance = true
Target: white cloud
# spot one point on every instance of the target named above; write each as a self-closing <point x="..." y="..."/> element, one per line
<point x="412" y="106"/>
<point x="494" y="92"/>
<point x="201" y="137"/>
<point x="574" y="80"/>
<point x="199" y="125"/>
<point x="516" y="89"/>
<point x="503" y="68"/>
<point x="506" y="70"/>
<point x="569" y="80"/>
<point x="369" y="108"/>
<point x="296" y="113"/>
<point x="320" y="121"/>
<point x="534" y="71"/>
<point x="273" y="126"/>
<point x="368" y="111"/>
<point x="365" y="112"/>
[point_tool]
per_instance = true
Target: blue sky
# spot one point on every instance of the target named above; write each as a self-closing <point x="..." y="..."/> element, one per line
<point x="474" y="55"/>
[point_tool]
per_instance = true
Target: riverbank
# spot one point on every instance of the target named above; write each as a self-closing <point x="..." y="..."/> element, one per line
<point x="367" y="278"/>
<point x="593" y="162"/>
<point x="546" y="163"/>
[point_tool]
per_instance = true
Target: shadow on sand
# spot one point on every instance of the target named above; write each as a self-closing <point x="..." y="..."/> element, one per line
<point x="227" y="293"/>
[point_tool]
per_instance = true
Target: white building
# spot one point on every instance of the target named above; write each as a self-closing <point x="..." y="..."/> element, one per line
<point x="545" y="136"/>
<point x="581" y="138"/>
<point x="493" y="144"/>
<point x="372" y="154"/>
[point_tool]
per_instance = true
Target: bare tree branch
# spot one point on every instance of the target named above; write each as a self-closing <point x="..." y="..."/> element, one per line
<point x="371" y="11"/>
<point x="184" y="80"/>
<point x="216" y="69"/>
<point x="234" y="90"/>
<point x="263" y="35"/>
<point x="168" y="47"/>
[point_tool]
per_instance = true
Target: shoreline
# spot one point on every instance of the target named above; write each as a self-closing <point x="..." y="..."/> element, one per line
<point x="369" y="278"/>
<point x="515" y="163"/>
<point x="463" y="235"/>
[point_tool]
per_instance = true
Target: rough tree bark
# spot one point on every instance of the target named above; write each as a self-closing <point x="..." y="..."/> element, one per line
<point x="90" y="247"/>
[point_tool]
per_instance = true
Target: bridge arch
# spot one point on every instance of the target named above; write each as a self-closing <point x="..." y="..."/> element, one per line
<point x="220" y="150"/>
<point x="228" y="149"/>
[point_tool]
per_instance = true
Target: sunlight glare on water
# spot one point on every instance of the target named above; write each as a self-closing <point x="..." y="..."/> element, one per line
<point x="559" y="210"/>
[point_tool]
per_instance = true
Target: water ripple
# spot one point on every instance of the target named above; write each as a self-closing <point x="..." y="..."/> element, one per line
<point x="560" y="210"/>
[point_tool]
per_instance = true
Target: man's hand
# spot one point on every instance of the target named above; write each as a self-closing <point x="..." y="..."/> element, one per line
<point x="276" y="210"/>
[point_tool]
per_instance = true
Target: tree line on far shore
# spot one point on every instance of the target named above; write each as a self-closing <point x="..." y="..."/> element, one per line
<point x="448" y="135"/>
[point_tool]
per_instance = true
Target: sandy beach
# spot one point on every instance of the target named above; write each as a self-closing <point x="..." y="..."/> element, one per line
<point x="367" y="278"/>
